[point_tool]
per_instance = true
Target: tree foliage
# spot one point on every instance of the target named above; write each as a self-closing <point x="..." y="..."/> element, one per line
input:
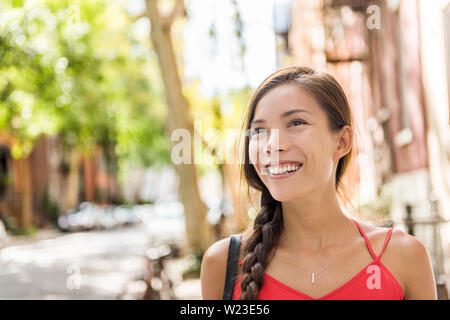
<point x="80" y="70"/>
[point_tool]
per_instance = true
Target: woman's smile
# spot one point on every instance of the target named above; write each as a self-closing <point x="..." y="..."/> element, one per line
<point x="283" y="171"/>
<point x="283" y="175"/>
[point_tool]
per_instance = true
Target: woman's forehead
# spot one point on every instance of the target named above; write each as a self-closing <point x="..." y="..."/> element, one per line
<point x="284" y="98"/>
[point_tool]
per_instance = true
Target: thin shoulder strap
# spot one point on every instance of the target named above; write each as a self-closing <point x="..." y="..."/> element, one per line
<point x="374" y="256"/>
<point x="232" y="262"/>
<point x="388" y="236"/>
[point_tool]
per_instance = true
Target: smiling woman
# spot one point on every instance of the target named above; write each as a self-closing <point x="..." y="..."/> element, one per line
<point x="302" y="245"/>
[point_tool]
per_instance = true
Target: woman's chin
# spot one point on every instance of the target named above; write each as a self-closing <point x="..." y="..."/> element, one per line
<point x="281" y="196"/>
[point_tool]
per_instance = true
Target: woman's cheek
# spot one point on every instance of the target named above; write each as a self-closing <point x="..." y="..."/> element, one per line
<point x="253" y="152"/>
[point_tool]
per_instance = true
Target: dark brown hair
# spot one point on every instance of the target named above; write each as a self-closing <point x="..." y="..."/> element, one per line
<point x="268" y="223"/>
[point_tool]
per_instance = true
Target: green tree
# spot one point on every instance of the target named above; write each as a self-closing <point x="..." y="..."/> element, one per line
<point x="66" y="70"/>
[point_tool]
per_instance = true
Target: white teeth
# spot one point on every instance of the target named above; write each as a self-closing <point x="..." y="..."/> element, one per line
<point x="284" y="169"/>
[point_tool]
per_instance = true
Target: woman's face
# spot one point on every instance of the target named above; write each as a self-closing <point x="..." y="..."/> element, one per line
<point x="301" y="155"/>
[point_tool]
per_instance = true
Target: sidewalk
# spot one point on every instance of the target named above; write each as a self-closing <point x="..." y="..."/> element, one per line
<point x="189" y="289"/>
<point x="42" y="234"/>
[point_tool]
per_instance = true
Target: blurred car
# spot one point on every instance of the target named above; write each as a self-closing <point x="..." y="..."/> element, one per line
<point x="90" y="216"/>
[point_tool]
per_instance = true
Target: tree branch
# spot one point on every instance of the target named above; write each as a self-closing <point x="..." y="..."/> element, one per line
<point x="178" y="9"/>
<point x="153" y="12"/>
<point x="139" y="16"/>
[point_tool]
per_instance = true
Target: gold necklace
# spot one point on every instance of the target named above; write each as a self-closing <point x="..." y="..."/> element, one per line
<point x="314" y="274"/>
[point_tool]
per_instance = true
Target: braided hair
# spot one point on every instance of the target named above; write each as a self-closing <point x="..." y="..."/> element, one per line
<point x="267" y="227"/>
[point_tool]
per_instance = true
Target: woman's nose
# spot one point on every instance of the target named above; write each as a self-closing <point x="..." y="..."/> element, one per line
<point x="274" y="142"/>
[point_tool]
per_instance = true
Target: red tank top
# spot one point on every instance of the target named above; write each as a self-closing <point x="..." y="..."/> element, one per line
<point x="374" y="282"/>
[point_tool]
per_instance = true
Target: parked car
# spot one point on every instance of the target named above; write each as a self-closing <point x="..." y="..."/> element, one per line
<point x="90" y="216"/>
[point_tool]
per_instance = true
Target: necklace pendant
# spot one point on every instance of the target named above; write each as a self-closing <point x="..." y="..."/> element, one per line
<point x="312" y="277"/>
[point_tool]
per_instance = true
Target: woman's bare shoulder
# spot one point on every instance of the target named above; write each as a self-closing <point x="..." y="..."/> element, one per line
<point x="400" y="243"/>
<point x="214" y="267"/>
<point x="408" y="260"/>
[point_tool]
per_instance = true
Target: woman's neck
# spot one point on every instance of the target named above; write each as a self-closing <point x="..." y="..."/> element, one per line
<point x="313" y="224"/>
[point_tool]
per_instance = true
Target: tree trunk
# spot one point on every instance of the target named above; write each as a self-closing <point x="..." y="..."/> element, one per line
<point x="231" y="175"/>
<point x="73" y="181"/>
<point x="23" y="188"/>
<point x="89" y="176"/>
<point x="198" y="232"/>
<point x="56" y="179"/>
<point x="113" y="171"/>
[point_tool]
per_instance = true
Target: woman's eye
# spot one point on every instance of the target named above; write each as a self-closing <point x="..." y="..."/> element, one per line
<point x="258" y="131"/>
<point x="297" y="122"/>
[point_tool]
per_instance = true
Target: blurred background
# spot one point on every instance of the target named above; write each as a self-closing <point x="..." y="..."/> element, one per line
<point x="92" y="203"/>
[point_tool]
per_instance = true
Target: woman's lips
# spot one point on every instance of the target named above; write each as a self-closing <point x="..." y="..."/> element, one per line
<point x="282" y="162"/>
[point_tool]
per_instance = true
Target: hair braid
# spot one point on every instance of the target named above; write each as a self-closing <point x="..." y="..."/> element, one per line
<point x="267" y="229"/>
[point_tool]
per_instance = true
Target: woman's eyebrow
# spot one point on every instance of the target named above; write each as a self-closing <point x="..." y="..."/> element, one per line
<point x="283" y="115"/>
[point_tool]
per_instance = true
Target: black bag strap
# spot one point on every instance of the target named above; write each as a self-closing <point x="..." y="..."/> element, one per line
<point x="232" y="262"/>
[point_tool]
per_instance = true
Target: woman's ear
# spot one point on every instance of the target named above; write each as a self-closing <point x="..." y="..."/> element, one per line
<point x="344" y="142"/>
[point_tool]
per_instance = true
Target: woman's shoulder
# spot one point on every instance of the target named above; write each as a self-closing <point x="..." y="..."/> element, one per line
<point x="218" y="251"/>
<point x="411" y="256"/>
<point x="214" y="267"/>
<point x="400" y="242"/>
<point x="406" y="257"/>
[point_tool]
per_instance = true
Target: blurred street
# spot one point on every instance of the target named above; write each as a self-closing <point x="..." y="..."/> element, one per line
<point x="125" y="146"/>
<point x="82" y="265"/>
